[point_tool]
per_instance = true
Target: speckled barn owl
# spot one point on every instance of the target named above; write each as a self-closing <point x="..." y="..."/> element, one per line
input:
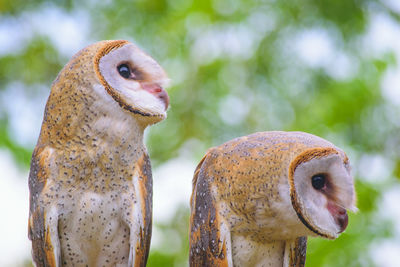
<point x="90" y="180"/>
<point x="256" y="199"/>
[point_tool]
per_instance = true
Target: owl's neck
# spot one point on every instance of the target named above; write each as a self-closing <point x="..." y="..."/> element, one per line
<point x="95" y="145"/>
<point x="89" y="121"/>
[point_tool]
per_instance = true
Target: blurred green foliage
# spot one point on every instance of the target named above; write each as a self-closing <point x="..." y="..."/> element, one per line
<point x="235" y="69"/>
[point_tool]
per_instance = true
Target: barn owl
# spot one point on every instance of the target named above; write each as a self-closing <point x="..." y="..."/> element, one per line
<point x="90" y="179"/>
<point x="256" y="199"/>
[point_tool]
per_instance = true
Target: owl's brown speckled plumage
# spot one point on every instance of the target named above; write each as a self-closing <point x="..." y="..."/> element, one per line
<point x="90" y="180"/>
<point x="245" y="206"/>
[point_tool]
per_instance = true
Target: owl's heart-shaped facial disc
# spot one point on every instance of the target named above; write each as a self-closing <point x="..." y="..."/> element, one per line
<point x="135" y="81"/>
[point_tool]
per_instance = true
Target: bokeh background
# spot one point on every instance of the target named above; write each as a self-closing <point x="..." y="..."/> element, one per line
<point x="330" y="68"/>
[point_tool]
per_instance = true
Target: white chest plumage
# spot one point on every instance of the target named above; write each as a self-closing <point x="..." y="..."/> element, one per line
<point x="249" y="253"/>
<point x="93" y="227"/>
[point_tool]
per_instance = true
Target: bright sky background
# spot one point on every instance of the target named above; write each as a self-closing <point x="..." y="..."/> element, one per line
<point x="172" y="180"/>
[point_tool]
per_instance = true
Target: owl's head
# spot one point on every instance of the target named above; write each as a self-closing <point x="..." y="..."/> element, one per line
<point x="107" y="86"/>
<point x="133" y="79"/>
<point x="322" y="189"/>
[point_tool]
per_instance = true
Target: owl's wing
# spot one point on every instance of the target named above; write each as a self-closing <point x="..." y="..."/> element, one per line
<point x="140" y="219"/>
<point x="295" y="252"/>
<point x="209" y="235"/>
<point x="42" y="225"/>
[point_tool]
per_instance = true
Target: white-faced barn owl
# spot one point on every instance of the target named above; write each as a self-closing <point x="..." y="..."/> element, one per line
<point x="256" y="199"/>
<point x="90" y="179"/>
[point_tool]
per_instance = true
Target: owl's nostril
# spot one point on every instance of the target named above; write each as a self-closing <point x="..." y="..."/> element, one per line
<point x="151" y="87"/>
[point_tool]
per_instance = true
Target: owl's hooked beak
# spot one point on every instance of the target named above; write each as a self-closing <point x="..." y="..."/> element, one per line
<point x="156" y="90"/>
<point x="339" y="214"/>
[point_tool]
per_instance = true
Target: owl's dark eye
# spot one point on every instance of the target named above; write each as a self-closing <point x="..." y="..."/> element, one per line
<point x="124" y="71"/>
<point x="318" y="181"/>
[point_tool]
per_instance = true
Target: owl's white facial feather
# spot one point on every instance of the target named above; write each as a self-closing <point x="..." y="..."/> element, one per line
<point x="131" y="90"/>
<point x="315" y="202"/>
